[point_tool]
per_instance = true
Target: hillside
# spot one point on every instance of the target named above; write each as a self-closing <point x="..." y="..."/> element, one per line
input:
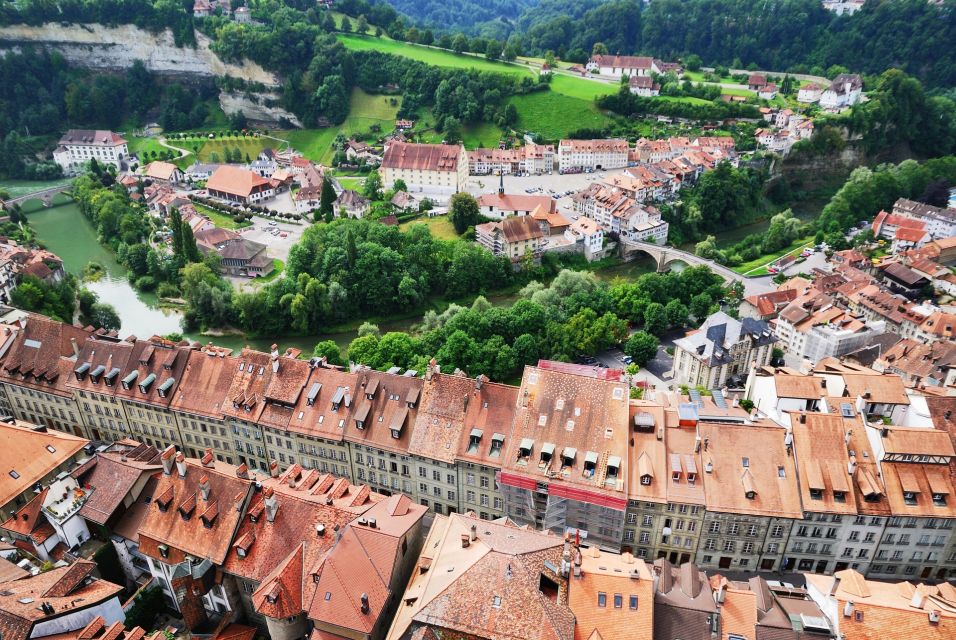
<point x="461" y="14"/>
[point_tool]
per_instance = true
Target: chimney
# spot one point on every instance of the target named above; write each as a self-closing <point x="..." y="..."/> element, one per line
<point x="291" y="480"/>
<point x="208" y="460"/>
<point x="480" y="380"/>
<point x="697" y="444"/>
<point x="432" y="369"/>
<point x="320" y="530"/>
<point x="851" y="465"/>
<point x="242" y="471"/>
<point x="848" y="608"/>
<point x="274" y="469"/>
<point x="76" y="347"/>
<point x="365" y="607"/>
<point x="204" y="487"/>
<point x="181" y="464"/>
<point x="168" y="458"/>
<point x="465" y="541"/>
<point x="474" y="532"/>
<point x="272" y="504"/>
<point x="274" y="356"/>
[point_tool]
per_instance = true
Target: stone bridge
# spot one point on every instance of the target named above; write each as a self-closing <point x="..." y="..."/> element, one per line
<point x="665" y="256"/>
<point x="45" y="196"/>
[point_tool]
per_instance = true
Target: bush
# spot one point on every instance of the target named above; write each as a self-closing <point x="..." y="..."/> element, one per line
<point x="167" y="290"/>
<point x="145" y="283"/>
<point x="147" y="606"/>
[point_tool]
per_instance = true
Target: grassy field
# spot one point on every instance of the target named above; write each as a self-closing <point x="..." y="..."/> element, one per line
<point x="365" y="110"/>
<point x="220" y="219"/>
<point x="440" y="227"/>
<point x="428" y="55"/>
<point x="758" y="267"/>
<point x="215" y="150"/>
<point x="553" y="115"/>
<point x="686" y="99"/>
<point x="354" y="183"/>
<point x="581" y="88"/>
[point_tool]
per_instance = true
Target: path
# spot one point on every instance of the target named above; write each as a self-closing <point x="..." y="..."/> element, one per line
<point x="182" y="152"/>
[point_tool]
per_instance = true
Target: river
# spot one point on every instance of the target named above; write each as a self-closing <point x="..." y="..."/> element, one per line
<point x="66" y="232"/>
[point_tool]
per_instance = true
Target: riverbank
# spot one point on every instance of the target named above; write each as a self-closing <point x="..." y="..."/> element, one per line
<point x="65" y="231"/>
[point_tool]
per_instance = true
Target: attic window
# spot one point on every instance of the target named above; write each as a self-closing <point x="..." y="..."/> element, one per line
<point x="542" y="420"/>
<point x="745" y="462"/>
<point x="163" y="551"/>
<point x="110" y="378"/>
<point x="839" y="496"/>
<point x="618" y="393"/>
<point x="240" y="552"/>
<point x="130" y="379"/>
<point x="81" y="370"/>
<point x="909" y="497"/>
<point x="165" y="387"/>
<point x="602" y="599"/>
<point x="147" y="382"/>
<point x="328" y="596"/>
<point x="816" y="494"/>
<point x="14" y="475"/>
<point x="939" y="499"/>
<point x="496" y="602"/>
<point x="51" y="448"/>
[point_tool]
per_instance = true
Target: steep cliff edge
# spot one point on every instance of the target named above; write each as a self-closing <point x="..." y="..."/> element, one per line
<point x="95" y="46"/>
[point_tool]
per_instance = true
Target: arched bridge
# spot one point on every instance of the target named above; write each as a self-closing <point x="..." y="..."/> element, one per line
<point x="665" y="256"/>
<point x="45" y="196"/>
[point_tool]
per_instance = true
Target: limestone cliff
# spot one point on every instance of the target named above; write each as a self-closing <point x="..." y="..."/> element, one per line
<point x="95" y="46"/>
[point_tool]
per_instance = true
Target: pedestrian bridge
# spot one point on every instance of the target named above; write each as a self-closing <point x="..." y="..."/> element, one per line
<point x="665" y="256"/>
<point x="45" y="196"/>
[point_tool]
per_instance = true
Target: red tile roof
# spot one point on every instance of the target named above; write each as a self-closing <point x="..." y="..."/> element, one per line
<point x="422" y="157"/>
<point x="235" y="181"/>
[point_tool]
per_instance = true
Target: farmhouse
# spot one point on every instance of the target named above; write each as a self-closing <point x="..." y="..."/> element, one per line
<point x="623" y="65"/>
<point x="644" y="86"/>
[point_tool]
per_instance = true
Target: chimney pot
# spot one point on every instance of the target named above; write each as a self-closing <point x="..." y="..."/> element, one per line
<point x="365" y="607"/>
<point x="465" y="540"/>
<point x="274" y="469"/>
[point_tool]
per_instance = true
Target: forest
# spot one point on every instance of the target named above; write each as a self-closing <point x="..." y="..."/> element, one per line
<point x="575" y="315"/>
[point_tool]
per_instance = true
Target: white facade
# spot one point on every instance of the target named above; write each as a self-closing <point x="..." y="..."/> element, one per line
<point x="78" y="147"/>
<point x="592" y="155"/>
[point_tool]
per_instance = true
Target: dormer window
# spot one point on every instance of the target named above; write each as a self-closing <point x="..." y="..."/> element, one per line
<point x="909" y="497"/>
<point x="130" y="379"/>
<point x="547" y="452"/>
<point x="240" y="552"/>
<point x="80" y="371"/>
<point x="147" y="383"/>
<point x="567" y="458"/>
<point x="839" y="496"/>
<point x="163" y="551"/>
<point x="613" y="467"/>
<point x="816" y="494"/>
<point x="646" y="480"/>
<point x="590" y="464"/>
<point x="370" y="388"/>
<point x="313" y="393"/>
<point x="474" y="440"/>
<point x="110" y="378"/>
<point x="497" y="442"/>
<point x="524" y="450"/>
<point x="164" y="388"/>
<point x="939" y="499"/>
<point x="338" y="398"/>
<point x="96" y="373"/>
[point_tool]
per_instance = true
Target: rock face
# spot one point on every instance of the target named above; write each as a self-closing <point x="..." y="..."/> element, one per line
<point x="258" y="107"/>
<point x="95" y="46"/>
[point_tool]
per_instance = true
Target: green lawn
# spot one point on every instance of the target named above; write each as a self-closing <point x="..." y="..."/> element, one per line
<point x="759" y="266"/>
<point x="581" y="88"/>
<point x="687" y="99"/>
<point x="428" y="55"/>
<point x="220" y="219"/>
<point x="353" y="183"/>
<point x="440" y="226"/>
<point x="553" y="115"/>
<point x="747" y="93"/>
<point x="214" y="150"/>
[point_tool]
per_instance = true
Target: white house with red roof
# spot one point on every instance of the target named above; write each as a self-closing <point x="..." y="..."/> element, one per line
<point x="78" y="146"/>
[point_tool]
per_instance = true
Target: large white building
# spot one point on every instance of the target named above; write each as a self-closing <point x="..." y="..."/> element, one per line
<point x="437" y="170"/>
<point x="575" y="156"/>
<point x="78" y="146"/>
<point x="844" y="91"/>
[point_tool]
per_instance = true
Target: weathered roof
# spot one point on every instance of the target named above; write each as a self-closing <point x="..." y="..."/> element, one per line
<point x="423" y="157"/>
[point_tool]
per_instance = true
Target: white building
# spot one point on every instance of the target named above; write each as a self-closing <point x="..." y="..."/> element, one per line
<point x="844" y="91"/>
<point x="436" y="170"/>
<point x="78" y="146"/>
<point x="810" y="93"/>
<point x="644" y="86"/>
<point x="618" y="66"/>
<point x="575" y="156"/>
<point x="589" y="234"/>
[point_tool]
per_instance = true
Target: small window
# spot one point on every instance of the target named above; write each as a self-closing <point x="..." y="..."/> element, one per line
<point x="602" y="599"/>
<point x="618" y="601"/>
<point x="745" y="462"/>
<point x="14" y="475"/>
<point x="632" y="603"/>
<point x="328" y="596"/>
<point x="496" y="602"/>
<point x="781" y="472"/>
<point x="51" y="448"/>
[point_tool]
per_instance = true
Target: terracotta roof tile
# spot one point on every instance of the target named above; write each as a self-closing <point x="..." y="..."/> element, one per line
<point x="423" y="157"/>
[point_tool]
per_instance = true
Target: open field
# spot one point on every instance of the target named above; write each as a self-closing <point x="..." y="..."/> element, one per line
<point x="314" y="144"/>
<point x="428" y="55"/>
<point x="685" y="99"/>
<point x="440" y="227"/>
<point x="553" y="115"/>
<point x="215" y="150"/>
<point x="366" y="109"/>
<point x="581" y="88"/>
